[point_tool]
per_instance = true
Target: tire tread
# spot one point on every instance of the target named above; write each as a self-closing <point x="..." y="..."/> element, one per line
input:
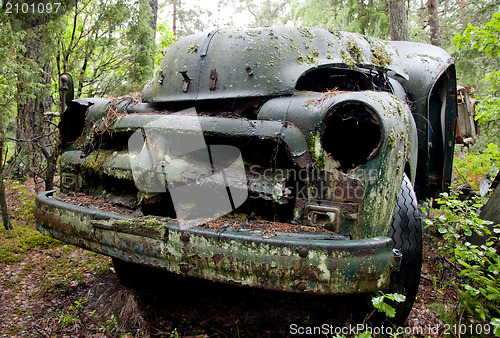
<point x="406" y="234"/>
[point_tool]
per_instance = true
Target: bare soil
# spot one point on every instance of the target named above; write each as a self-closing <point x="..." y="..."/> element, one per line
<point x="58" y="290"/>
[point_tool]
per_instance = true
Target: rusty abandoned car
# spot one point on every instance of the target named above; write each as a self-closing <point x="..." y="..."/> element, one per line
<point x="281" y="158"/>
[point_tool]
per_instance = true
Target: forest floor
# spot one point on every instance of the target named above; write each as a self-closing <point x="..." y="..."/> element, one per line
<point x="51" y="289"/>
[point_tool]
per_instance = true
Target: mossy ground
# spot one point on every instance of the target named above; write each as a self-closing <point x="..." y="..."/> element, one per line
<point x="41" y="278"/>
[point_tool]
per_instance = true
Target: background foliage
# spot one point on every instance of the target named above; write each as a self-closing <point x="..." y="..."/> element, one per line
<point x="485" y="40"/>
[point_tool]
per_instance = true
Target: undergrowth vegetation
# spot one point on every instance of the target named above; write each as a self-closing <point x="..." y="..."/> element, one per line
<point x="67" y="270"/>
<point x="36" y="267"/>
<point x="23" y="236"/>
<point x="474" y="163"/>
<point x="470" y="246"/>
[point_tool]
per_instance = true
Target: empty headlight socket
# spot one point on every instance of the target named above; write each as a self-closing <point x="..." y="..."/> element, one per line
<point x="352" y="135"/>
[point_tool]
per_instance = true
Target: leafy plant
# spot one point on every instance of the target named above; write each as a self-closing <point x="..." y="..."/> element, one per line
<point x="381" y="306"/>
<point x="166" y="38"/>
<point x="111" y="325"/>
<point x="175" y="333"/>
<point x="476" y="164"/>
<point x="73" y="315"/>
<point x="477" y="261"/>
<point x="486" y="41"/>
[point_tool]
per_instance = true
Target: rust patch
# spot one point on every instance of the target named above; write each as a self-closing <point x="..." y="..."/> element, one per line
<point x="216" y="258"/>
<point x="195" y="258"/>
<point x="184" y="268"/>
<point x="338" y="187"/>
<point x="185" y="238"/>
<point x="311" y="273"/>
<point x="303" y="160"/>
<point x="368" y="276"/>
<point x="52" y="218"/>
<point x="334" y="262"/>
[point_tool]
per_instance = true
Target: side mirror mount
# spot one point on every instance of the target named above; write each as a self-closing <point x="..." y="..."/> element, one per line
<point x="66" y="90"/>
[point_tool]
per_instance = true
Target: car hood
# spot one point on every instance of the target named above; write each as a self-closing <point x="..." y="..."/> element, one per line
<point x="235" y="63"/>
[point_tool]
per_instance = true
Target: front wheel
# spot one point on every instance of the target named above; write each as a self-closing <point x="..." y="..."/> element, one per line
<point x="406" y="235"/>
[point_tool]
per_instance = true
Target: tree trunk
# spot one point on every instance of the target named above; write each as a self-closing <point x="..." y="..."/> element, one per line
<point x="432" y="7"/>
<point x="154" y="14"/>
<point x="398" y="20"/>
<point x="423" y="20"/>
<point x="32" y="103"/>
<point x="3" y="200"/>
<point x="28" y="117"/>
<point x="174" y="20"/>
<point x="81" y="76"/>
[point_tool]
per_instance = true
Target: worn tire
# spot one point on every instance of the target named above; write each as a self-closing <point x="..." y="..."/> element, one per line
<point x="406" y="235"/>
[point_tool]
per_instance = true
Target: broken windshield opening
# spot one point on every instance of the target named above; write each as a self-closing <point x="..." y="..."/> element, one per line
<point x="340" y="79"/>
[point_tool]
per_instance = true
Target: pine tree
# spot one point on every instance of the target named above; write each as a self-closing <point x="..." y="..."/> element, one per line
<point x="398" y="19"/>
<point x="432" y="6"/>
<point x="142" y="37"/>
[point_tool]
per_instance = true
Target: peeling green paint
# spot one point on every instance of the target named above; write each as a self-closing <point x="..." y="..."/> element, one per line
<point x="329" y="267"/>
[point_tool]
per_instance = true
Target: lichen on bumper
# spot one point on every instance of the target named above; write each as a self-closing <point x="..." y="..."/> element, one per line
<point x="315" y="263"/>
